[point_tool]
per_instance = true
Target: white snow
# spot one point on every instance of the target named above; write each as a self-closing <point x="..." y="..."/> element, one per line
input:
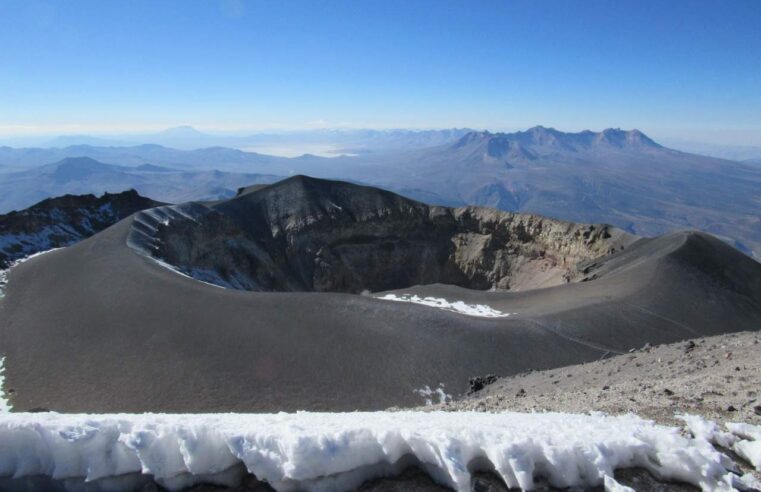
<point x="4" y="273"/>
<point x="201" y="273"/>
<point x="61" y="233"/>
<point x="749" y="444"/>
<point x="428" y="394"/>
<point x="5" y="405"/>
<point x="744" y="439"/>
<point x="480" y="310"/>
<point x="612" y="486"/>
<point x="143" y="240"/>
<point x="338" y="451"/>
<point x="28" y="243"/>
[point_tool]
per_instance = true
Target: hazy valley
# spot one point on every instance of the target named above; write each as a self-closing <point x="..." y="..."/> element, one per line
<point x="617" y="177"/>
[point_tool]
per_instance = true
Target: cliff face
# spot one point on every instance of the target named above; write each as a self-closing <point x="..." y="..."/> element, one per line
<point x="62" y="221"/>
<point x="505" y="250"/>
<point x="305" y="234"/>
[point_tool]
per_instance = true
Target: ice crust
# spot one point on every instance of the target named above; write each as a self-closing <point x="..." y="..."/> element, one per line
<point x="749" y="446"/>
<point x="480" y="310"/>
<point x="338" y="451"/>
<point x="743" y="439"/>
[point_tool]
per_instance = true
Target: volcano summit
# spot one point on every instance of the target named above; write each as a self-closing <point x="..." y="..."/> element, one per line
<point x="253" y="303"/>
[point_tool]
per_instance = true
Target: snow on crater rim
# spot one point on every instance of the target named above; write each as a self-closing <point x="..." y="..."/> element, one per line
<point x="5" y="405"/>
<point x="480" y="310"/>
<point x="4" y="273"/>
<point x="338" y="451"/>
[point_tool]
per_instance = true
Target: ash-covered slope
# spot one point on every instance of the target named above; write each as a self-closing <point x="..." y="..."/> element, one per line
<point x="62" y="221"/>
<point x="123" y="333"/>
<point x="307" y="234"/>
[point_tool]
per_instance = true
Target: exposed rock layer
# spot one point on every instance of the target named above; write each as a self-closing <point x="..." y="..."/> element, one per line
<point x="306" y="234"/>
<point x="123" y="333"/>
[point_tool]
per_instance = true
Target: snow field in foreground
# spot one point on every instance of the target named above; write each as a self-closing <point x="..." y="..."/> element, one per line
<point x="338" y="451"/>
<point x="481" y="310"/>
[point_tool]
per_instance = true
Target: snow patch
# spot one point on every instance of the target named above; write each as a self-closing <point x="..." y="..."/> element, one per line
<point x="204" y="276"/>
<point x="59" y="234"/>
<point x="429" y="394"/>
<point x="611" y="485"/>
<point x="338" y="451"/>
<point x="20" y="245"/>
<point x="4" y="273"/>
<point x="5" y="405"/>
<point x="744" y="439"/>
<point x="480" y="310"/>
<point x="144" y="241"/>
<point x="749" y="444"/>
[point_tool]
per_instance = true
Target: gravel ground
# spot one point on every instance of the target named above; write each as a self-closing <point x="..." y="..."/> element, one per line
<point x="716" y="377"/>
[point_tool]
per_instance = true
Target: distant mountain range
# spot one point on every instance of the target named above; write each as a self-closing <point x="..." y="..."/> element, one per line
<point x="331" y="141"/>
<point x="619" y="177"/>
<point x="82" y="175"/>
<point x="222" y="158"/>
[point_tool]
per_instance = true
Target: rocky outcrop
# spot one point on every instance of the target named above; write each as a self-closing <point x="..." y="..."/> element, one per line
<point x="61" y="221"/>
<point x="306" y="234"/>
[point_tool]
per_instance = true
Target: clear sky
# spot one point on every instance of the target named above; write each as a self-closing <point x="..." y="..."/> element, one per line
<point x="684" y="69"/>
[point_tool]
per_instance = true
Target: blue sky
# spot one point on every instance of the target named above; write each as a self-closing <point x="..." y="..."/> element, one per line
<point x="684" y="69"/>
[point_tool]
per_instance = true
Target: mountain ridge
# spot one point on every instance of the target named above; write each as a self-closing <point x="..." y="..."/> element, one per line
<point x="82" y="174"/>
<point x="620" y="177"/>
<point x="550" y="137"/>
<point x="309" y="234"/>
<point x="237" y="350"/>
<point x="64" y="220"/>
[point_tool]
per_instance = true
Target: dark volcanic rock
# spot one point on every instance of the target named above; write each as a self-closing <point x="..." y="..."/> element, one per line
<point x="139" y="337"/>
<point x="306" y="234"/>
<point x="62" y="221"/>
<point x="479" y="382"/>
